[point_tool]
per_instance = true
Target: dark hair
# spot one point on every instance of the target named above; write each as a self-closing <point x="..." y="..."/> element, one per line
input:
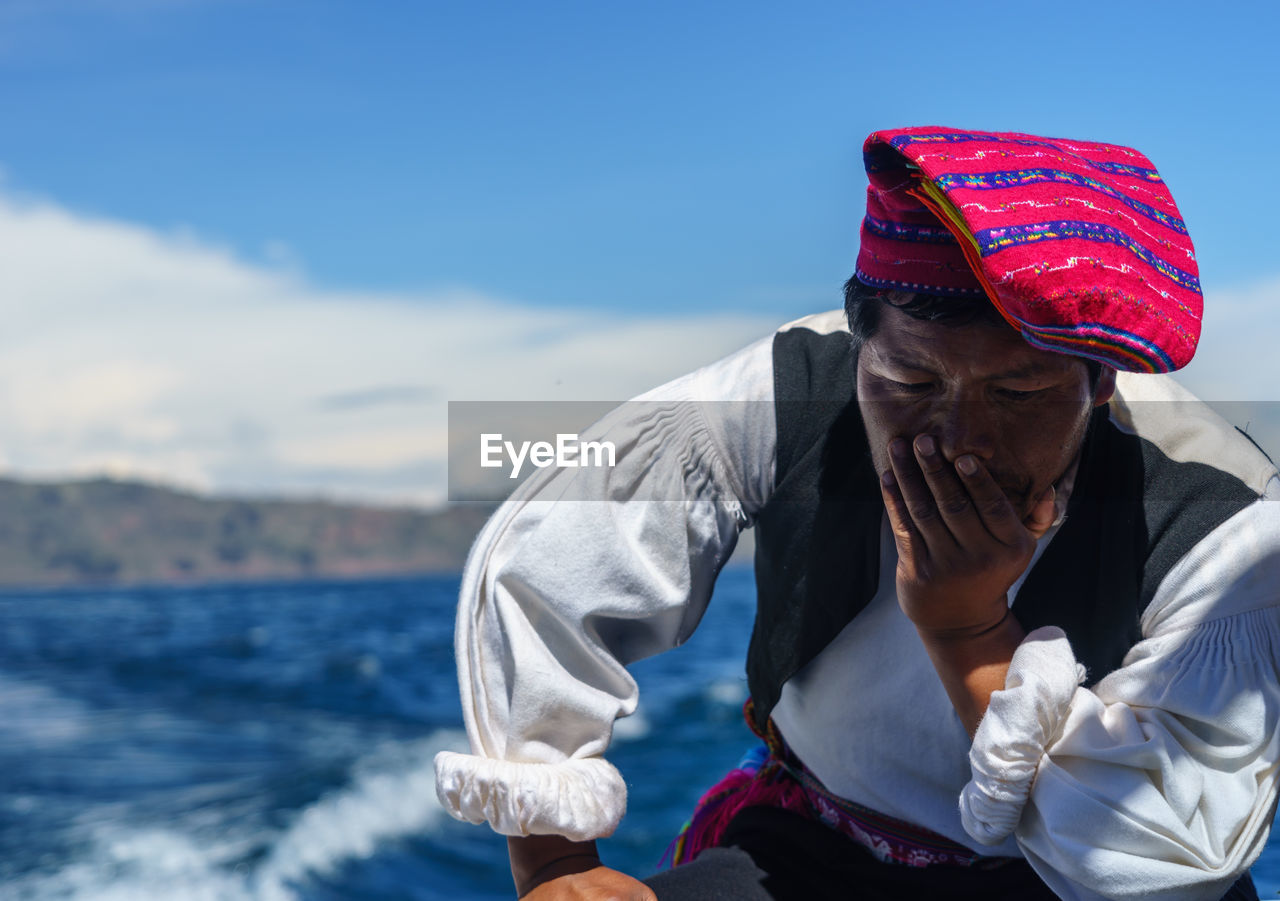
<point x="863" y="305"/>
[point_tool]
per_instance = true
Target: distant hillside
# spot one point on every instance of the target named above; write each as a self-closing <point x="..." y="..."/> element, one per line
<point x="104" y="531"/>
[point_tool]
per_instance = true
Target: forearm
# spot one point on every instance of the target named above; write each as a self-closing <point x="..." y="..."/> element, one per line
<point x="536" y="859"/>
<point x="971" y="667"/>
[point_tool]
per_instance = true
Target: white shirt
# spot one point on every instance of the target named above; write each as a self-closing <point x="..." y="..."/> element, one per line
<point x="1160" y="782"/>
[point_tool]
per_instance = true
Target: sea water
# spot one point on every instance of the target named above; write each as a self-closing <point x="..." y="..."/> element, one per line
<point x="274" y="743"/>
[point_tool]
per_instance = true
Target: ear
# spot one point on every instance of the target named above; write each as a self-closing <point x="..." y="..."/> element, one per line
<point x="1106" y="386"/>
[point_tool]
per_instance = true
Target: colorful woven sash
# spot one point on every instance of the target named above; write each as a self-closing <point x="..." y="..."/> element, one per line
<point x="771" y="776"/>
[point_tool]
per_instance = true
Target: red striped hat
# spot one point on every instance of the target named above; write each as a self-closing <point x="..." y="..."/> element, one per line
<point x="1079" y="245"/>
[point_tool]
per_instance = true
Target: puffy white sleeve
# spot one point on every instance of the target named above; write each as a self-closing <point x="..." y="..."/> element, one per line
<point x="1161" y="782"/>
<point x="586" y="570"/>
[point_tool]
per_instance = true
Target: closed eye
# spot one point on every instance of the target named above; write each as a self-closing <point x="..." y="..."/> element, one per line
<point x="910" y="387"/>
<point x="1015" y="394"/>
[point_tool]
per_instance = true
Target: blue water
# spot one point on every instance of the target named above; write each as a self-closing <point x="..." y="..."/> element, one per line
<point x="274" y="743"/>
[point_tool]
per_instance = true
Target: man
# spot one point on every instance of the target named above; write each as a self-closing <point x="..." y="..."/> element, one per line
<point x="1018" y="628"/>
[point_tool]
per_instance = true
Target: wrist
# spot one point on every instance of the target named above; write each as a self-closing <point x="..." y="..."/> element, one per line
<point x="536" y="859"/>
<point x="565" y="866"/>
<point x="973" y="663"/>
<point x="969" y="632"/>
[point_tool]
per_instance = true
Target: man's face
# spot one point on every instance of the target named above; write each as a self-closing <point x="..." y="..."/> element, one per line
<point x="977" y="389"/>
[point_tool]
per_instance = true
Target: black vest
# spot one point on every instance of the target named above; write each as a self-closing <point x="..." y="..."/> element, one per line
<point x="1133" y="513"/>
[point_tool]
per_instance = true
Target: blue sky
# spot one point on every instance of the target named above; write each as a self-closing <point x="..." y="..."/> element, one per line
<point x="590" y="171"/>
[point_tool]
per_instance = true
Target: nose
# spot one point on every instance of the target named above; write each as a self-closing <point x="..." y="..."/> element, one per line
<point x="965" y="427"/>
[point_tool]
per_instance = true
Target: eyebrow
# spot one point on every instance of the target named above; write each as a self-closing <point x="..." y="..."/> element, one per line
<point x="1027" y="370"/>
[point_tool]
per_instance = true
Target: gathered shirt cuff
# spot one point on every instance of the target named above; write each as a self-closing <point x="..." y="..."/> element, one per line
<point x="1019" y="724"/>
<point x="581" y="799"/>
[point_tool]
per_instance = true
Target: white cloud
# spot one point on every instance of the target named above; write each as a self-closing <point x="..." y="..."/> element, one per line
<point x="100" y="393"/>
<point x="133" y="352"/>
<point x="1237" y="359"/>
<point x="367" y="450"/>
<point x="1237" y="367"/>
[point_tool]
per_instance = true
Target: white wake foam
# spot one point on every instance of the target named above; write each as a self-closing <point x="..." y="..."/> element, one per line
<point x="732" y="692"/>
<point x="391" y="795"/>
<point x="35" y="716"/>
<point x="632" y="728"/>
<point x="126" y="864"/>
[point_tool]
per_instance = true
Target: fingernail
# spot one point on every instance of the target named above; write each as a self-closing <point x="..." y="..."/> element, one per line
<point x="967" y="465"/>
<point x="887" y="479"/>
<point x="925" y="444"/>
<point x="898" y="448"/>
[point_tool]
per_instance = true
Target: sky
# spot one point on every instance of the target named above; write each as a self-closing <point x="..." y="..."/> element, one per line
<point x="256" y="246"/>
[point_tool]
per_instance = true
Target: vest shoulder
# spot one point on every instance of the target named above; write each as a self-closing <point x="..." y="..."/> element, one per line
<point x="819" y="323"/>
<point x="1185" y="430"/>
<point x="811" y="360"/>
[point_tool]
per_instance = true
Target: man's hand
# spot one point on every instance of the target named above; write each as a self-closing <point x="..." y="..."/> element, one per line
<point x="553" y="868"/>
<point x="599" y="884"/>
<point x="961" y="546"/>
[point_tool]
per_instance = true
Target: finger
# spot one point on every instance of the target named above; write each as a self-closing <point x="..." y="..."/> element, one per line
<point x="1043" y="514"/>
<point x="918" y="499"/>
<point x="905" y="535"/>
<point x="990" y="501"/>
<point x="949" y="494"/>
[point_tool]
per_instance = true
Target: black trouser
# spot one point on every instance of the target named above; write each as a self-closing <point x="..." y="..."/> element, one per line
<point x="768" y="854"/>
